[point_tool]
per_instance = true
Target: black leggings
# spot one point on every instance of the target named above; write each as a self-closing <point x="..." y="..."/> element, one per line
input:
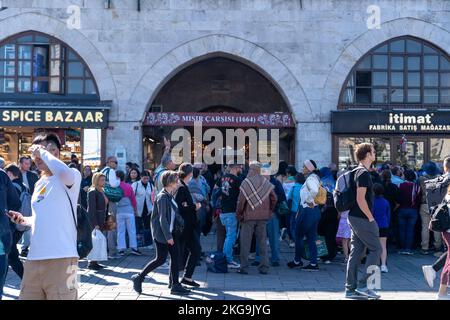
<point x="162" y="250"/>
<point x="191" y="241"/>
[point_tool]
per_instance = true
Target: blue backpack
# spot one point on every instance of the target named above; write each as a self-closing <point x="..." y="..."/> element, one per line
<point x="217" y="262"/>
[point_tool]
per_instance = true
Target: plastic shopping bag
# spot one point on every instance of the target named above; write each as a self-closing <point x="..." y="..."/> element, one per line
<point x="99" y="247"/>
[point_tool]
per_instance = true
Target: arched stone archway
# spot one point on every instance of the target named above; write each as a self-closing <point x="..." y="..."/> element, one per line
<point x="366" y="41"/>
<point x="220" y="45"/>
<point x="215" y="46"/>
<point x="74" y="38"/>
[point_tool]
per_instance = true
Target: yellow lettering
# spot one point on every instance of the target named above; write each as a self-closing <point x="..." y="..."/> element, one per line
<point x="6" y="116"/>
<point x="37" y="116"/>
<point x="98" y="117"/>
<point x="79" y="117"/>
<point x="15" y="115"/>
<point x="59" y="117"/>
<point x="89" y="117"/>
<point x="69" y="115"/>
<point x="29" y="116"/>
<point x="48" y="116"/>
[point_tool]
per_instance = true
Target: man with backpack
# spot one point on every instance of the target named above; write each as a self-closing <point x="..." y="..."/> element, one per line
<point x="436" y="190"/>
<point x="15" y="176"/>
<point x="365" y="232"/>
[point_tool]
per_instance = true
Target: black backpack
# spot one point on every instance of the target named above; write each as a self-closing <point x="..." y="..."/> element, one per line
<point x="440" y="217"/>
<point x="435" y="190"/>
<point x="345" y="193"/>
<point x="84" y="230"/>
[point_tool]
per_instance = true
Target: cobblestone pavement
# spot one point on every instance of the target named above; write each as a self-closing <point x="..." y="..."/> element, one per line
<point x="404" y="281"/>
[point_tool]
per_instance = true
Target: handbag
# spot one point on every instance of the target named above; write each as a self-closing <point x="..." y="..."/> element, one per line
<point x="113" y="194"/>
<point x="321" y="248"/>
<point x="110" y="223"/>
<point x="83" y="227"/>
<point x="283" y="208"/>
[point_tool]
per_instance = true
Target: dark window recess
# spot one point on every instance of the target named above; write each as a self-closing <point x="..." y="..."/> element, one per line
<point x="401" y="71"/>
<point x="363" y="95"/>
<point x="363" y="78"/>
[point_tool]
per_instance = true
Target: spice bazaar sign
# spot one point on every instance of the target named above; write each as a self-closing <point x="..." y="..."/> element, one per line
<point x="267" y="120"/>
<point x="57" y="117"/>
<point x="390" y="122"/>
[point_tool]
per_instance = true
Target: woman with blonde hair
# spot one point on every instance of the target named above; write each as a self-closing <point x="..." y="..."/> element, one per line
<point x="97" y="208"/>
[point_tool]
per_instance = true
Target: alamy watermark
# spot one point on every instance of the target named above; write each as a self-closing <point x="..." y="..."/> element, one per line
<point x="374" y="279"/>
<point x="74" y="19"/>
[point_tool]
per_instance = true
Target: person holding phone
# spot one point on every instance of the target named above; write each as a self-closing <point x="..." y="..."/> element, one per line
<point x="163" y="220"/>
<point x="9" y="199"/>
<point x="50" y="272"/>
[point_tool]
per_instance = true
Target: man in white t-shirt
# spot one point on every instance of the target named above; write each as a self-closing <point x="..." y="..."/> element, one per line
<point x="51" y="268"/>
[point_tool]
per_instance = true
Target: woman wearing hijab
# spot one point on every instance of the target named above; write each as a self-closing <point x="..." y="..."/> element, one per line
<point x="308" y="218"/>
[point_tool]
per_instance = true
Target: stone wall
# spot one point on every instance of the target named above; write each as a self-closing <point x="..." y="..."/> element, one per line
<point x="306" y="48"/>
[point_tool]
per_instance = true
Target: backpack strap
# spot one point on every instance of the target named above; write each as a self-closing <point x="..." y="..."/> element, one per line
<point x="71" y="208"/>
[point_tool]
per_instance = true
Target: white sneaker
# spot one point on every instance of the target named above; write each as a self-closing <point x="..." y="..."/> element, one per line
<point x="384" y="269"/>
<point x="233" y="265"/>
<point x="252" y="256"/>
<point x="291" y="244"/>
<point x="429" y="274"/>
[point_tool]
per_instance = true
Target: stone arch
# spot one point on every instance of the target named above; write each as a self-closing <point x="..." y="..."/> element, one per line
<point x="34" y="21"/>
<point x="366" y="41"/>
<point x="219" y="45"/>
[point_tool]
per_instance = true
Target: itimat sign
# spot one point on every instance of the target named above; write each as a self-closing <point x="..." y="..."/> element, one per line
<point x="54" y="117"/>
<point x="390" y="122"/>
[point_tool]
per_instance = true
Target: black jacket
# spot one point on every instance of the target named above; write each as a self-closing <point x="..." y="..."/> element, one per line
<point x="96" y="208"/>
<point x="186" y="208"/>
<point x="9" y="200"/>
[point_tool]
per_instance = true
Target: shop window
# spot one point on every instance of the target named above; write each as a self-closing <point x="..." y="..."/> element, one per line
<point x="35" y="63"/>
<point x="439" y="149"/>
<point x="347" y="146"/>
<point x="408" y="69"/>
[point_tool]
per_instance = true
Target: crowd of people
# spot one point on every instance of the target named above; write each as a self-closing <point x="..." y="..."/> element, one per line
<point x="250" y="208"/>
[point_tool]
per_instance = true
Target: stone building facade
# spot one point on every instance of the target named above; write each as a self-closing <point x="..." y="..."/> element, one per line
<point x="305" y="48"/>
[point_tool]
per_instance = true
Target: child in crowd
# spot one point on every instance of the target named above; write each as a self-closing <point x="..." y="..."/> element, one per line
<point x="345" y="233"/>
<point x="382" y="215"/>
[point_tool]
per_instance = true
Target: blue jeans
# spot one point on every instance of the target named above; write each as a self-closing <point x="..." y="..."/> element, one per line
<point x="306" y="225"/>
<point x="407" y="219"/>
<point x="3" y="270"/>
<point x="230" y="223"/>
<point x="291" y="225"/>
<point x="126" y="222"/>
<point x="273" y="234"/>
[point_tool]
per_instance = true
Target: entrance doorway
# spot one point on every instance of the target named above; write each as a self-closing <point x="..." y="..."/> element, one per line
<point x="216" y="86"/>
